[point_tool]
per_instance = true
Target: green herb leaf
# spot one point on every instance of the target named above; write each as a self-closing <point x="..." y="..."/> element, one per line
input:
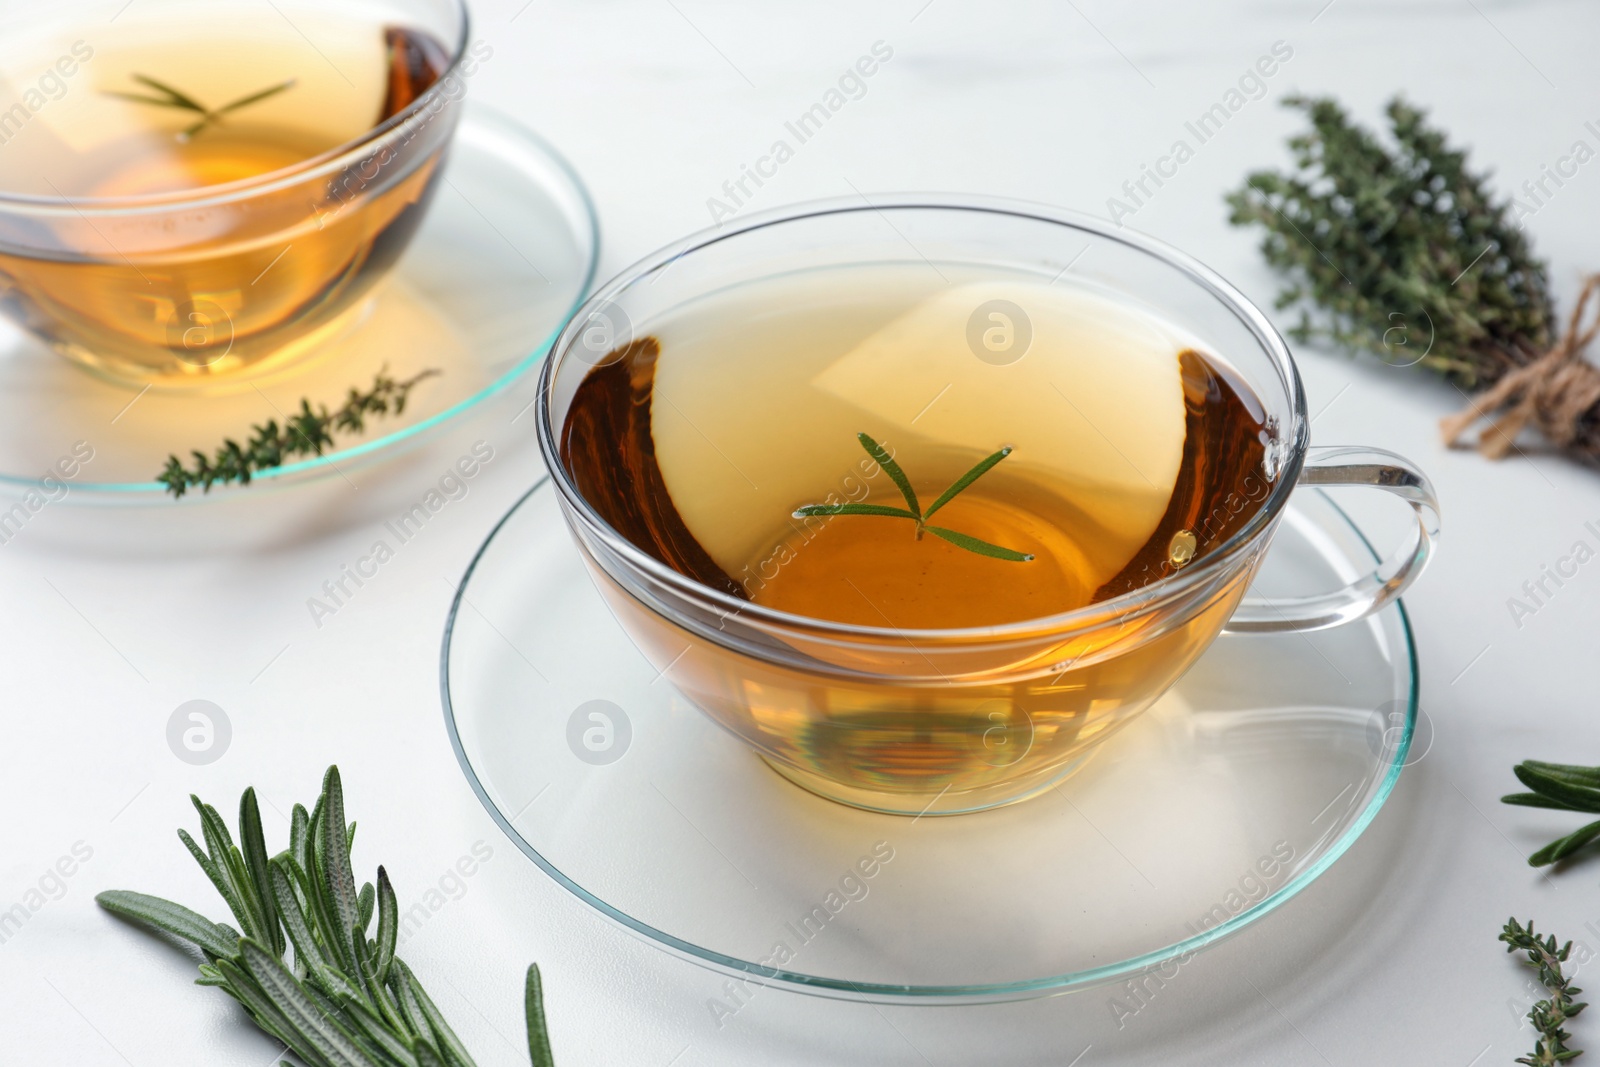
<point x="246" y="101"/>
<point x="1534" y="800"/>
<point x="255" y="862"/>
<point x="881" y="456"/>
<point x="299" y="835"/>
<point x="337" y="884"/>
<point x="137" y="98"/>
<point x="1583" y="798"/>
<point x="533" y="1005"/>
<point x="178" y="97"/>
<point x="1560" y="849"/>
<point x="174" y="919"/>
<point x="813" y="510"/>
<point x="967" y="479"/>
<point x="445" y="1037"/>
<point x="388" y="925"/>
<point x="1568" y="771"/>
<point x="982" y="548"/>
<point x="224" y="889"/>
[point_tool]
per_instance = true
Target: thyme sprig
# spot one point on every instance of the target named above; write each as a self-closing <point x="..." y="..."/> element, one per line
<point x="1392" y="248"/>
<point x="307" y="432"/>
<point x="346" y="1000"/>
<point x="1548" y="1016"/>
<point x="176" y="98"/>
<point x="1564" y="787"/>
<point x="913" y="509"/>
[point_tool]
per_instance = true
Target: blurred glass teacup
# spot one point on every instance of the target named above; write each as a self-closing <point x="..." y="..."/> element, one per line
<point x="191" y="189"/>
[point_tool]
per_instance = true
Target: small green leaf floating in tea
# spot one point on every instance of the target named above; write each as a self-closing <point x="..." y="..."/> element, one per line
<point x="915" y="513"/>
<point x="306" y="433"/>
<point x="346" y="1000"/>
<point x="1548" y="1016"/>
<point x="176" y="98"/>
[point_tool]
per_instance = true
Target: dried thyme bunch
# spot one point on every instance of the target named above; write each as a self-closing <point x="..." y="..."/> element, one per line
<point x="1382" y="236"/>
<point x="1394" y="247"/>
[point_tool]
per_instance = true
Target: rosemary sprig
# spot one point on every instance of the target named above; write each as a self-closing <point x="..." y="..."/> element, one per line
<point x="1548" y="1016"/>
<point x="176" y="98"/>
<point x="1399" y="246"/>
<point x="307" y="432"/>
<point x="913" y="510"/>
<point x="1564" y="787"/>
<point x="346" y="1000"/>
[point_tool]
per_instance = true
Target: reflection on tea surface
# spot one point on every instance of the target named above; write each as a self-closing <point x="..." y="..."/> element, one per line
<point x="1134" y="454"/>
<point x="183" y="99"/>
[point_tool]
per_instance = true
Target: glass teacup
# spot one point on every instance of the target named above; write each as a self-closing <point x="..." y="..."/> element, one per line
<point x="254" y="233"/>
<point x="941" y="721"/>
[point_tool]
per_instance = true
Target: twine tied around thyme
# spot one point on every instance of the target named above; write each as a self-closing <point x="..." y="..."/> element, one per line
<point x="1554" y="391"/>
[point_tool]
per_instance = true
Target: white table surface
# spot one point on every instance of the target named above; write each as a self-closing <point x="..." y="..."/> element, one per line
<point x="1389" y="958"/>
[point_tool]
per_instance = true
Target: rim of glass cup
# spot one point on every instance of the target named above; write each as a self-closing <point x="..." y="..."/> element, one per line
<point x="1121" y="607"/>
<point x="333" y="160"/>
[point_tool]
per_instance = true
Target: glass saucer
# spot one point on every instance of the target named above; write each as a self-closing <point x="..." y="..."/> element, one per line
<point x="1236" y="791"/>
<point x="504" y="255"/>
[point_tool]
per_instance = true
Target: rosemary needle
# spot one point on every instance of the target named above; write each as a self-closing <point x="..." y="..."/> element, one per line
<point x="177" y="98"/>
<point x="913" y="510"/>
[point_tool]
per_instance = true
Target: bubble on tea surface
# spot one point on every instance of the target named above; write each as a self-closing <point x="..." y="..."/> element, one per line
<point x="1182" y="548"/>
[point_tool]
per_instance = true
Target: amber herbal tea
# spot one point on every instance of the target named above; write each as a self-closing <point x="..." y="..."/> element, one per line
<point x="1130" y="452"/>
<point x="142" y="256"/>
<point x="1058" y="447"/>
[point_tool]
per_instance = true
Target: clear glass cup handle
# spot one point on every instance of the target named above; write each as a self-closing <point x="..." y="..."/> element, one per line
<point x="1344" y="466"/>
